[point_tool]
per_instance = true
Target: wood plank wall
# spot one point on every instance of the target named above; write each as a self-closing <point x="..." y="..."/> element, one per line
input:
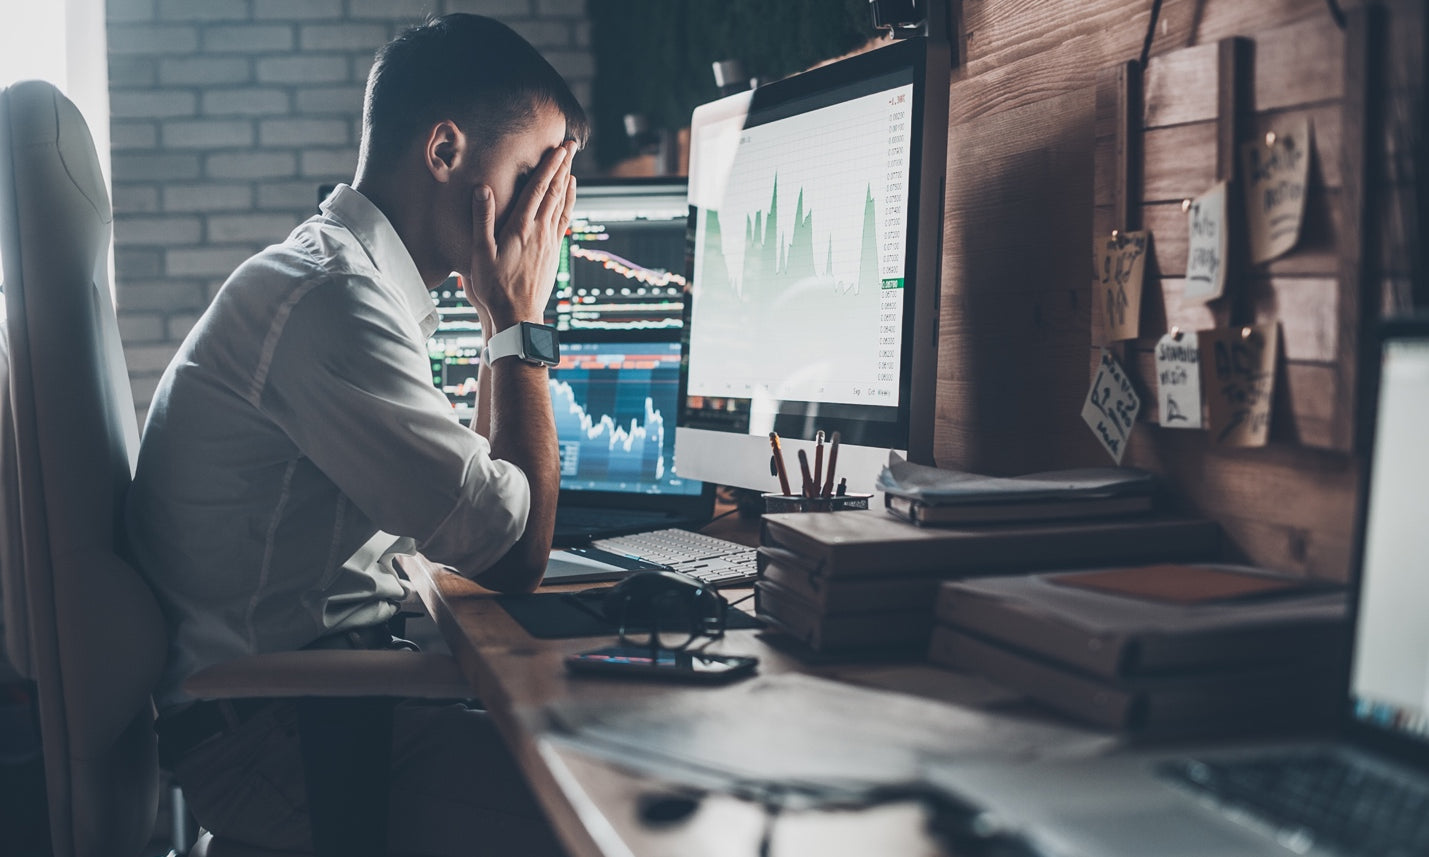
<point x="1016" y="310"/>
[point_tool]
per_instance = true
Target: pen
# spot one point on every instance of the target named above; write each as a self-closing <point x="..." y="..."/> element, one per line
<point x="833" y="463"/>
<point x="808" y="480"/>
<point x="779" y="463"/>
<point x="818" y="462"/>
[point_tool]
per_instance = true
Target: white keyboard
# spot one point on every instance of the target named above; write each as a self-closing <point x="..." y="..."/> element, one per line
<point x="710" y="560"/>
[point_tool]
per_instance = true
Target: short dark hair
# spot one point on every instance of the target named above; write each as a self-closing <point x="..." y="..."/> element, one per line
<point x="471" y="69"/>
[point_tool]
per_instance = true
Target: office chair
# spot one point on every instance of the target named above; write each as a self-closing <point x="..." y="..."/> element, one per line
<point x="81" y="623"/>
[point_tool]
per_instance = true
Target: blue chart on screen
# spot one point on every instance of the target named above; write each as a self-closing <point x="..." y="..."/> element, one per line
<point x="614" y="405"/>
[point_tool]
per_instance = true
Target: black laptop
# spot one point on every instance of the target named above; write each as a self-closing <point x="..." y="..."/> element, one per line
<point x="1363" y="792"/>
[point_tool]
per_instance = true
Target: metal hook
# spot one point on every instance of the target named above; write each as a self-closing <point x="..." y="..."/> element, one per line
<point x="1270" y="138"/>
<point x="1176" y="333"/>
<point x="1245" y="332"/>
<point x="1185" y="205"/>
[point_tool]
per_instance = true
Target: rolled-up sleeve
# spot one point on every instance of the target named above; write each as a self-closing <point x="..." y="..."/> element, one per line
<point x="353" y="390"/>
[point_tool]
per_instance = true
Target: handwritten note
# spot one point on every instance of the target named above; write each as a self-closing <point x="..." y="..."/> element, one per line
<point x="1205" y="261"/>
<point x="1111" y="407"/>
<point x="1178" y="380"/>
<point x="1276" y="174"/>
<point x="1121" y="267"/>
<point x="1240" y="364"/>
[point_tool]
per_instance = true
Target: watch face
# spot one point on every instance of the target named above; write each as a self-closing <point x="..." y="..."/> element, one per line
<point x="542" y="344"/>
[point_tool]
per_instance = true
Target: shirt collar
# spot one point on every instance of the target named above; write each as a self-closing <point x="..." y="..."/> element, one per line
<point x="384" y="246"/>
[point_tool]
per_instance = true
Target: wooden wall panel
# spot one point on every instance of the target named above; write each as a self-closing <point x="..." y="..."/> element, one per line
<point x="1029" y="135"/>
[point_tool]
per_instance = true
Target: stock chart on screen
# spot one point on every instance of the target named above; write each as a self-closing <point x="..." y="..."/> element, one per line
<point x="614" y="405"/>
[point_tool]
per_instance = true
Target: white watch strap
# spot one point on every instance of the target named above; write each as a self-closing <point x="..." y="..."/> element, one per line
<point x="507" y="343"/>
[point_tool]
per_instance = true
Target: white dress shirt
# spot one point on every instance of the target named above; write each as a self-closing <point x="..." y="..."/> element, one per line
<point x="294" y="431"/>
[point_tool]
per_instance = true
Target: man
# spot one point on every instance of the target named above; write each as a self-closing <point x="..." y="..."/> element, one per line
<point x="296" y="444"/>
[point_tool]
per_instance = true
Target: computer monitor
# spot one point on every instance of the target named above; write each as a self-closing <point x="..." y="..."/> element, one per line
<point x="622" y="264"/>
<point x="621" y="274"/>
<point x="815" y="207"/>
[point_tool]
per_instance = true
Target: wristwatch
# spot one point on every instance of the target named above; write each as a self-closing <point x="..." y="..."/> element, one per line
<point x="537" y="344"/>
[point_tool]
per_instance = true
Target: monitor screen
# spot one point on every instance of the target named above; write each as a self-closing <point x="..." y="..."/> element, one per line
<point x="614" y="403"/>
<point x="622" y="264"/>
<point x="1389" y="682"/>
<point x="815" y="206"/>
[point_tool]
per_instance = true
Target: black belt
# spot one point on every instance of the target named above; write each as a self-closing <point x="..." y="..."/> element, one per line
<point x="183" y="731"/>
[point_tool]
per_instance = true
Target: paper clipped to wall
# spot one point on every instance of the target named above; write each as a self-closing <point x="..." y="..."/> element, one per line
<point x="1111" y="406"/>
<point x="1276" y="173"/>
<point x="1121" y="268"/>
<point x="1178" y="380"/>
<point x="1240" y="380"/>
<point x="1206" y="256"/>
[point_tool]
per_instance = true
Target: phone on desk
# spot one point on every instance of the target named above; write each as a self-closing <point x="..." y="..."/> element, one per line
<point x="639" y="662"/>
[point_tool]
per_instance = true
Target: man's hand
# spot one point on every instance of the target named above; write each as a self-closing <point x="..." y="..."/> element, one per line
<point x="512" y="273"/>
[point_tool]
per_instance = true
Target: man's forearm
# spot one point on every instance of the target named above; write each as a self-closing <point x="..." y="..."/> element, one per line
<point x="523" y="432"/>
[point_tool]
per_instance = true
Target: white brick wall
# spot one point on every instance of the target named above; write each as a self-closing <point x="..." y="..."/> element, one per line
<point x="228" y="115"/>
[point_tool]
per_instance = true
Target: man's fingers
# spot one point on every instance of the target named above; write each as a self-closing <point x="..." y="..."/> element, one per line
<point x="554" y="198"/>
<point x="570" y="204"/>
<point x="535" y="191"/>
<point x="483" y="220"/>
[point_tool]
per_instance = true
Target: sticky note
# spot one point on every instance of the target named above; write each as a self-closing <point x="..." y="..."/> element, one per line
<point x="1178" y="380"/>
<point x="1276" y="171"/>
<point x="1206" y="257"/>
<point x="1121" y="267"/>
<point x="1239" y="371"/>
<point x="1111" y="406"/>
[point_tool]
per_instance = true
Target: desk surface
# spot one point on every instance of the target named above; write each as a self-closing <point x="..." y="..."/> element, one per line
<point x="593" y="805"/>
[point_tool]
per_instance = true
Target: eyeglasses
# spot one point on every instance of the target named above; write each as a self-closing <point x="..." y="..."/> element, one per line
<point x="672" y="618"/>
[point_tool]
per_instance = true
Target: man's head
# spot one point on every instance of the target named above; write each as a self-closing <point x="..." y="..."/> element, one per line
<point x="452" y="105"/>
<point x="473" y="70"/>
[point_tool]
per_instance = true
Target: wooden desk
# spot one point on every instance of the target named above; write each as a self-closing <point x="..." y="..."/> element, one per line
<point x="592" y="805"/>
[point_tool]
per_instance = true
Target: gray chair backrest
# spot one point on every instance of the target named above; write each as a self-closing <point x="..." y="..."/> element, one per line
<point x="82" y="623"/>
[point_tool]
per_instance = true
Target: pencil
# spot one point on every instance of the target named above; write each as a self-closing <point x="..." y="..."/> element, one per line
<point x="779" y="463"/>
<point x="833" y="464"/>
<point x="818" y="462"/>
<point x="808" y="480"/>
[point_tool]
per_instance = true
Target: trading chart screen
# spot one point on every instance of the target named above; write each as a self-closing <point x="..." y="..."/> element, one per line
<point x="623" y="260"/>
<point x="614" y="404"/>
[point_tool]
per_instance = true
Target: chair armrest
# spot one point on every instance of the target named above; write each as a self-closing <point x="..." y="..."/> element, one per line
<point x="333" y="673"/>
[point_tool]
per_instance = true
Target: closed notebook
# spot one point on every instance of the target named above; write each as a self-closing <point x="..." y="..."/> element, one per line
<point x="846" y="595"/>
<point x="822" y="632"/>
<point x="1222" y="700"/>
<point x="871" y="543"/>
<point x="936" y="515"/>
<point x="1159" y="627"/>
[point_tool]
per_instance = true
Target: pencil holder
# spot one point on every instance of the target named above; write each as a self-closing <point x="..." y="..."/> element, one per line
<point x="800" y="503"/>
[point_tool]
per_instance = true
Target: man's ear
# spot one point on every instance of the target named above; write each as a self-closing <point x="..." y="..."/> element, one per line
<point x="442" y="152"/>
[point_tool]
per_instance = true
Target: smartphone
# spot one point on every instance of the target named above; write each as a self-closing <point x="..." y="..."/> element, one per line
<point x="637" y="662"/>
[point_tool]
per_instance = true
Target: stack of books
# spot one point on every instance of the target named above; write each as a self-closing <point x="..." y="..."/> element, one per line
<point x="1163" y="650"/>
<point x="865" y="580"/>
<point x="932" y="496"/>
